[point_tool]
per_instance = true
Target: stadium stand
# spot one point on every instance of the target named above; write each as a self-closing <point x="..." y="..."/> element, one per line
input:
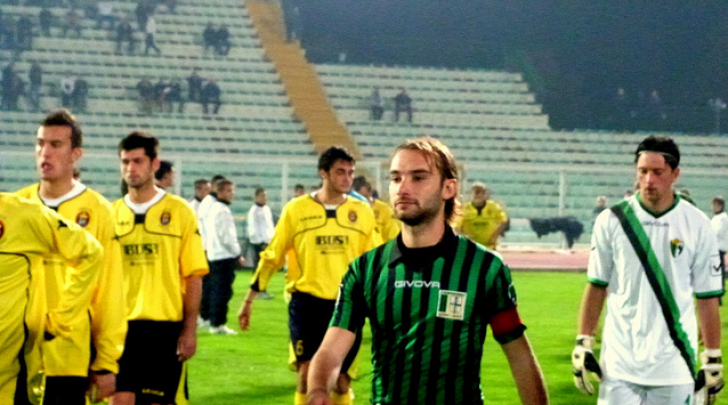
<point x="270" y="128"/>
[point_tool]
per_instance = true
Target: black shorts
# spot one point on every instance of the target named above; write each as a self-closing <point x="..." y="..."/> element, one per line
<point x="308" y="320"/>
<point x="149" y="366"/>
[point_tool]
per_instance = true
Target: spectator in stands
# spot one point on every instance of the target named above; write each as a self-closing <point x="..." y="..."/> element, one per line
<point x="222" y="42"/>
<point x="68" y="85"/>
<point x="24" y="33"/>
<point x="105" y="14"/>
<point x="171" y="6"/>
<point x="72" y="21"/>
<point x="194" y="86"/>
<point x="124" y="33"/>
<point x="175" y="96"/>
<point x="211" y="95"/>
<point x="376" y="105"/>
<point x="165" y="175"/>
<point x="145" y="88"/>
<point x="402" y="103"/>
<point x="142" y="14"/>
<point x="7" y="84"/>
<point x="35" y="78"/>
<point x="161" y="94"/>
<point x="45" y="21"/>
<point x="15" y="88"/>
<point x="9" y="33"/>
<point x="209" y="37"/>
<point x="151" y="30"/>
<point x="80" y="93"/>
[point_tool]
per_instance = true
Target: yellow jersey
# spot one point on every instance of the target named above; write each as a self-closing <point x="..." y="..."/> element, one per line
<point x="92" y="212"/>
<point x="481" y="224"/>
<point x="29" y="232"/>
<point x="160" y="248"/>
<point x="387" y="224"/>
<point x="323" y="242"/>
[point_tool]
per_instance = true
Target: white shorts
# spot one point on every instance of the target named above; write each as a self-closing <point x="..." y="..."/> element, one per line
<point x="620" y="392"/>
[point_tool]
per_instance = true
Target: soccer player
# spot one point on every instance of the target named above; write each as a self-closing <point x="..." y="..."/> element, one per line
<point x="69" y="364"/>
<point x="29" y="232"/>
<point x="483" y="219"/>
<point x="429" y="295"/>
<point x="387" y="224"/>
<point x="326" y="230"/>
<point x="652" y="255"/>
<point x="163" y="261"/>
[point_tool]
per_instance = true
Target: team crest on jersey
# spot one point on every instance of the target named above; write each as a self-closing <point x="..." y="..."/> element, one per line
<point x="676" y="247"/>
<point x="82" y="219"/>
<point x="2" y="229"/>
<point x="451" y="305"/>
<point x="352" y="216"/>
<point x="165" y="218"/>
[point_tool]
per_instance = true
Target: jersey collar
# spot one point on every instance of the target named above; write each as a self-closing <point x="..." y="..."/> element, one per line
<point x="426" y="255"/>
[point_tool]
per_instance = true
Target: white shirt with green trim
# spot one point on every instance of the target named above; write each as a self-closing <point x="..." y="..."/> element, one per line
<point x="636" y="342"/>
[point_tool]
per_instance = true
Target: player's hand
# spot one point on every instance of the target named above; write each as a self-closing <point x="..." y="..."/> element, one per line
<point x="710" y="377"/>
<point x="101" y="386"/>
<point x="245" y="313"/>
<point x="186" y="345"/>
<point x="241" y="262"/>
<point x="318" y="396"/>
<point x="584" y="362"/>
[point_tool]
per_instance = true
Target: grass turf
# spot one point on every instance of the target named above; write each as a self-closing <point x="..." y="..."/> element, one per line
<point x="251" y="368"/>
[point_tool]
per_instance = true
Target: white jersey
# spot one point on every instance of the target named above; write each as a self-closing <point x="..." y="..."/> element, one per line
<point x="636" y="342"/>
<point x="720" y="226"/>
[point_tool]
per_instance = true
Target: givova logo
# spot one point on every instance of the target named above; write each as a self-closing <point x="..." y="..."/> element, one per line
<point x="416" y="284"/>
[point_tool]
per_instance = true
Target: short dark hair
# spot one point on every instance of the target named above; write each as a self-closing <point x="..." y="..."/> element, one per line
<point x="64" y="118"/>
<point x="720" y="201"/>
<point x="138" y="139"/>
<point x="359" y="182"/>
<point x="222" y="183"/>
<point x="664" y="146"/>
<point x="165" y="166"/>
<point x="331" y="155"/>
<point x="216" y="178"/>
<point x="299" y="186"/>
<point x="200" y="182"/>
<point x="259" y="190"/>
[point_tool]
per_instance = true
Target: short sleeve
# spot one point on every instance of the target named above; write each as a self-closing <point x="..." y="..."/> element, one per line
<point x="501" y="300"/>
<point x="706" y="271"/>
<point x="350" y="308"/>
<point x="601" y="256"/>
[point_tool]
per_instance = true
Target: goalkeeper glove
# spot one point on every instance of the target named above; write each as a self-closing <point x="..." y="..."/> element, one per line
<point x="584" y="362"/>
<point x="710" y="377"/>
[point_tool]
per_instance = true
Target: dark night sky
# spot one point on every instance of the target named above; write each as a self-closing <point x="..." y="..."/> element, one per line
<point x="576" y="52"/>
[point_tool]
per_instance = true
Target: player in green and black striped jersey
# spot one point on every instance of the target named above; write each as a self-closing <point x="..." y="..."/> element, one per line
<point x="429" y="295"/>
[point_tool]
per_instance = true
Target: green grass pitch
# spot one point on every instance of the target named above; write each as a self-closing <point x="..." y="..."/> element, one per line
<point x="251" y="367"/>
